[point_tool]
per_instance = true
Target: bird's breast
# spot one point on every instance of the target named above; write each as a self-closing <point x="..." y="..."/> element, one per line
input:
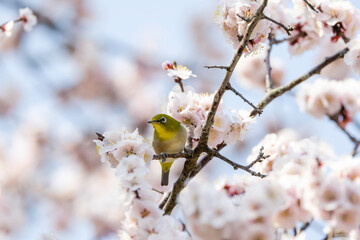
<point x="174" y="145"/>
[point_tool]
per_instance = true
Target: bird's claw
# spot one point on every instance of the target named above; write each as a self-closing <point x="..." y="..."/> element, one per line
<point x="162" y="157"/>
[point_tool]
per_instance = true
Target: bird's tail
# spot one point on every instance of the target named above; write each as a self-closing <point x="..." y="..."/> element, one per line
<point x="165" y="178"/>
<point x="165" y="167"/>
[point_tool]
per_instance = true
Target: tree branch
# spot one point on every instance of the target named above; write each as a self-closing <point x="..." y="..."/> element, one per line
<point x="201" y="164"/>
<point x="259" y="158"/>
<point x="276" y="92"/>
<point x="179" y="185"/>
<point x="220" y="67"/>
<point x="205" y="160"/>
<point x="235" y="165"/>
<point x="268" y="79"/>
<point x="190" y="163"/>
<point x="229" y="87"/>
<point x="290" y="39"/>
<point x="288" y="30"/>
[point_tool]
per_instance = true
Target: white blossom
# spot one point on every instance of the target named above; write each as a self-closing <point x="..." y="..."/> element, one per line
<point x="121" y="144"/>
<point x="7" y="28"/>
<point x="28" y="18"/>
<point x="177" y="71"/>
<point x="352" y="58"/>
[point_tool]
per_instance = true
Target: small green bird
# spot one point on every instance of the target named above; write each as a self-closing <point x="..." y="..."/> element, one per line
<point x="169" y="137"/>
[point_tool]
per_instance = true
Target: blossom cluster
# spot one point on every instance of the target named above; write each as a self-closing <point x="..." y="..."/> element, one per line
<point x="212" y="214"/>
<point x="191" y="109"/>
<point x="328" y="97"/>
<point x="303" y="183"/>
<point x="332" y="20"/>
<point x="142" y="218"/>
<point x="232" y="18"/>
<point x="318" y="183"/>
<point x="26" y="16"/>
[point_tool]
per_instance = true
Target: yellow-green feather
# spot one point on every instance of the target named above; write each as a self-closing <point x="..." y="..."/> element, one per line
<point x="166" y="166"/>
<point x="162" y="133"/>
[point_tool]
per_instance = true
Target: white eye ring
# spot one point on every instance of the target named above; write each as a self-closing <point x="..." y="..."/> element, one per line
<point x="163" y="120"/>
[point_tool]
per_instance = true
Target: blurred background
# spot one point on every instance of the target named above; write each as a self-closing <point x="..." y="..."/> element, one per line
<point x="91" y="66"/>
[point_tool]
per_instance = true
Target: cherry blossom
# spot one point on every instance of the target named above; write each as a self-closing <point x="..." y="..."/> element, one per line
<point x="230" y="17"/>
<point x="142" y="218"/>
<point x="191" y="109"/>
<point x="28" y="18"/>
<point x="352" y="58"/>
<point x="7" y="28"/>
<point x="327" y="97"/>
<point x="120" y="144"/>
<point x="177" y="71"/>
<point x="341" y="18"/>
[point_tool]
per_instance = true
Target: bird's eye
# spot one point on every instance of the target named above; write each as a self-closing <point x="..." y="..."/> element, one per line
<point x="163" y="120"/>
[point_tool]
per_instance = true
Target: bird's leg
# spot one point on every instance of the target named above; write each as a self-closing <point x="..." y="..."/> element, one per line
<point x="163" y="157"/>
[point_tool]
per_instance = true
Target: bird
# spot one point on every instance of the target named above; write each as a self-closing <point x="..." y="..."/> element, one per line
<point x="169" y="137"/>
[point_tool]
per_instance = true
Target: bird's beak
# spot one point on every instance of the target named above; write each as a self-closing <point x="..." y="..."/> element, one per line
<point x="153" y="121"/>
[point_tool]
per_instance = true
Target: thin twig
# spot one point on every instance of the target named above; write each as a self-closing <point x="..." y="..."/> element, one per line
<point x="288" y="30"/>
<point x="158" y="191"/>
<point x="259" y="158"/>
<point x="310" y="6"/>
<point x="290" y="39"/>
<point x="268" y="79"/>
<point x="220" y="67"/>
<point x="229" y="87"/>
<point x="276" y="92"/>
<point x="235" y="165"/>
